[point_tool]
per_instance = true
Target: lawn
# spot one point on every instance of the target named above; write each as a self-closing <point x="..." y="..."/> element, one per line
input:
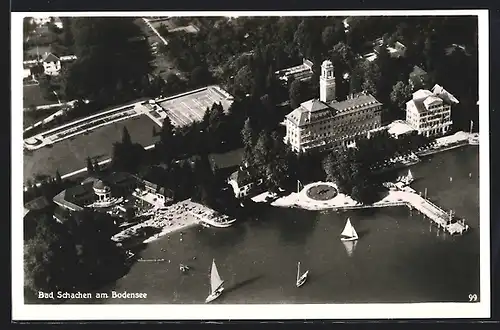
<point x="70" y="155"/>
<point x="31" y="117"/>
<point x="41" y="51"/>
<point x="33" y="96"/>
<point x="321" y="192"/>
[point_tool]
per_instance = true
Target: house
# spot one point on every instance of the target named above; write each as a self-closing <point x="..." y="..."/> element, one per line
<point x="26" y="73"/>
<point x="242" y="181"/>
<point x="51" y="64"/>
<point x="326" y="123"/>
<point x="303" y="72"/>
<point x="96" y="192"/>
<point x="58" y="23"/>
<point x="40" y="20"/>
<point x="429" y="112"/>
<point x="164" y="195"/>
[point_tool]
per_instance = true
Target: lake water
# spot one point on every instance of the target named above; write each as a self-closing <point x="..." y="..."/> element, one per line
<point x="400" y="257"/>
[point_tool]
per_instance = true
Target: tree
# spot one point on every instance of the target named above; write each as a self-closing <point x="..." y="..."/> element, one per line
<point x="90" y="165"/>
<point x="298" y="93"/>
<point x="173" y="84"/>
<point x="261" y="152"/>
<point x="97" y="167"/>
<point x="99" y="259"/>
<point x="49" y="258"/>
<point x="200" y="76"/>
<point x="400" y="94"/>
<point x="58" y="179"/>
<point x="126" y="140"/>
<point x="110" y="52"/>
<point x="372" y="78"/>
<point x="329" y="37"/>
<point x="247" y="134"/>
<point x="244" y="81"/>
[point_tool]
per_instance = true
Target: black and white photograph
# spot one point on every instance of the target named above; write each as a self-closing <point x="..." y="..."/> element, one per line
<point x="239" y="165"/>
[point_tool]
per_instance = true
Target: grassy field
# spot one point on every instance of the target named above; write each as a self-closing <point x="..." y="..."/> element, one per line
<point x="41" y="51"/>
<point x="33" y="96"/>
<point x="70" y="155"/>
<point x="31" y="117"/>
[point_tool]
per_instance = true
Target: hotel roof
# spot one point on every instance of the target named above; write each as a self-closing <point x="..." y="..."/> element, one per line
<point x="301" y="115"/>
<point x="423" y="98"/>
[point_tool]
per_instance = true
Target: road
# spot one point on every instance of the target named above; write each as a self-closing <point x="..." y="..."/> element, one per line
<point x="165" y="42"/>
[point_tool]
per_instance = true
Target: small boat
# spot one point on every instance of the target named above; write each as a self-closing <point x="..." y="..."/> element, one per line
<point x="184" y="268"/>
<point x="409" y="178"/>
<point x="301" y="279"/>
<point x="349" y="233"/>
<point x="216" y="284"/>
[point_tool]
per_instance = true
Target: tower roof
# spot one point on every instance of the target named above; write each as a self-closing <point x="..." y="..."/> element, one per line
<point x="327" y="63"/>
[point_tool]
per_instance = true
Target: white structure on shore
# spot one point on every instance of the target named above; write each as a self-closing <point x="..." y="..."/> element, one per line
<point x="325" y="123"/>
<point x="243" y="182"/>
<point x="429" y="112"/>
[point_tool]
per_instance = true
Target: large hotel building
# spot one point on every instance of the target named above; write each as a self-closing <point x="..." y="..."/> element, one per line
<point x="429" y="112"/>
<point x="326" y="123"/>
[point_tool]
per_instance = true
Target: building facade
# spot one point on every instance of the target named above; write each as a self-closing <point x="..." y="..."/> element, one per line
<point x="326" y="123"/>
<point x="429" y="112"/>
<point x="51" y="64"/>
<point x="243" y="182"/>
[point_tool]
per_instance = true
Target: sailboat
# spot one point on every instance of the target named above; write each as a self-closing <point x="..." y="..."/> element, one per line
<point x="409" y="178"/>
<point x="301" y="279"/>
<point x="216" y="283"/>
<point x="349" y="233"/>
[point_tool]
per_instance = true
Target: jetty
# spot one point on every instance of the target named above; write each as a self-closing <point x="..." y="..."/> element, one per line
<point x="414" y="201"/>
<point x="400" y="196"/>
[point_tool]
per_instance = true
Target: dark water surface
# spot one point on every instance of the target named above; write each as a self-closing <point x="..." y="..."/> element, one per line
<point x="400" y="257"/>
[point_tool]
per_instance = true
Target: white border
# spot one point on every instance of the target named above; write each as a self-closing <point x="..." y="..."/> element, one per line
<point x="23" y="312"/>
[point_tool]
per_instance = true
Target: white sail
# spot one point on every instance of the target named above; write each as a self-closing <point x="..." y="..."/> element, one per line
<point x="349" y="231"/>
<point x="350" y="246"/>
<point x="215" y="280"/>
<point x="298" y="271"/>
<point x="409" y="177"/>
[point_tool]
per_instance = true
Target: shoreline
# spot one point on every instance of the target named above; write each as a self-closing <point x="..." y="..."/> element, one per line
<point x="167" y="220"/>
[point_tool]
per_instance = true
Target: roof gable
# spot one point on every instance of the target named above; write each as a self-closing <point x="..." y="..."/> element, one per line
<point x="49" y="57"/>
<point x="432" y="100"/>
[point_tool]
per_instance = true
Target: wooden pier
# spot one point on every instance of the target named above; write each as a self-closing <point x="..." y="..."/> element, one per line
<point x="410" y="198"/>
<point x="437" y="215"/>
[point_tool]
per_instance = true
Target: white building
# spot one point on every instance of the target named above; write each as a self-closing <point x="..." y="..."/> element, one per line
<point x="58" y="23"/>
<point x="243" y="182"/>
<point x="326" y="123"/>
<point x="51" y="64"/>
<point x="303" y="71"/>
<point x="429" y="112"/>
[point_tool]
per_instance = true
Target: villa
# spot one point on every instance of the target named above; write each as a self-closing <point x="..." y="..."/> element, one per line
<point x="242" y="181"/>
<point x="51" y="64"/>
